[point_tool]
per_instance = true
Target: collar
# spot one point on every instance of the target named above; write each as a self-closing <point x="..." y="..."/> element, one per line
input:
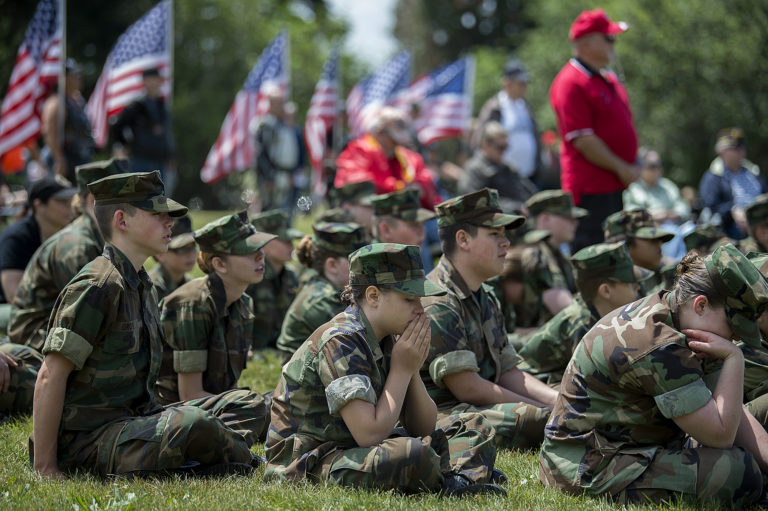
<point x="370" y="337"/>
<point x="592" y="310"/>
<point x="218" y="293"/>
<point x="674" y="311"/>
<point x="583" y="67"/>
<point x="126" y="269"/>
<point x="93" y="229"/>
<point x="450" y="278"/>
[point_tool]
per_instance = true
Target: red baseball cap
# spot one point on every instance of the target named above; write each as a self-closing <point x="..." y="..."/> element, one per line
<point x="596" y="21"/>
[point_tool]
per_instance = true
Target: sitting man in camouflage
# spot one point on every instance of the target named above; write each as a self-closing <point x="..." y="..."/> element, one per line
<point x="471" y="366"/>
<point x="606" y="279"/>
<point x="59" y="259"/>
<point x="399" y="218"/>
<point x="640" y="386"/>
<point x="18" y="372"/>
<point x="350" y="407"/>
<point x="757" y="223"/>
<point x="548" y="274"/>
<point x="275" y="293"/>
<point x="644" y="239"/>
<point x="173" y="266"/>
<point x="94" y="406"/>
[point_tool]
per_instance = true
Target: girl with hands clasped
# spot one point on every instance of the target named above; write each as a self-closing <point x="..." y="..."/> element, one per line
<point x="351" y="408"/>
<point x="651" y="402"/>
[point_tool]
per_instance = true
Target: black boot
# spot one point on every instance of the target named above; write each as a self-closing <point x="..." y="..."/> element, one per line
<point x="457" y="485"/>
<point x="498" y="477"/>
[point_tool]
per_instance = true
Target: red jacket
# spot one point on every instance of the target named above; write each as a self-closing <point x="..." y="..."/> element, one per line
<point x="364" y="160"/>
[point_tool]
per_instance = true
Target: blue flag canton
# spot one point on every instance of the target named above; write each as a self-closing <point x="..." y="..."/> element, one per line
<point x="270" y="65"/>
<point x="41" y="28"/>
<point x="394" y="76"/>
<point x="148" y="36"/>
<point x="449" y="79"/>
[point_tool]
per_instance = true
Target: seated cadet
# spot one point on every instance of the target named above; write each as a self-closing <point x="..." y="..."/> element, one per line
<point x="275" y="293"/>
<point x="606" y="279"/>
<point x="634" y="394"/>
<point x="355" y="199"/>
<point x="58" y="260"/>
<point x="172" y="266"/>
<point x="471" y="366"/>
<point x="399" y="218"/>
<point x="350" y="407"/>
<point x="208" y="324"/>
<point x="18" y="372"/>
<point x="94" y="407"/>
<point x="644" y="239"/>
<point x="757" y="224"/>
<point x="325" y="256"/>
<point x="704" y="239"/>
<point x="756" y="359"/>
<point x="549" y="275"/>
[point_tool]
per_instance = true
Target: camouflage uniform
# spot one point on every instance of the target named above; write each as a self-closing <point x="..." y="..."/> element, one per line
<point x="360" y="193"/>
<point x="181" y="237"/>
<point x="637" y="223"/>
<point x="550" y="348"/>
<point x="343" y="361"/>
<point x="468" y="332"/>
<point x="106" y="323"/>
<point x="611" y="431"/>
<point x="403" y="205"/>
<point x="756" y="363"/>
<point x="757" y="214"/>
<point x="704" y="239"/>
<point x="18" y="397"/>
<point x="275" y="293"/>
<point x="57" y="260"/>
<point x="318" y="300"/>
<point x="545" y="266"/>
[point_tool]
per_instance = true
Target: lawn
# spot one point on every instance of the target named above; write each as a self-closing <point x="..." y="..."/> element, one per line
<point x="20" y="488"/>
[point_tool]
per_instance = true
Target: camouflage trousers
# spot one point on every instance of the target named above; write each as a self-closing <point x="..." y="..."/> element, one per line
<point x="729" y="476"/>
<point x="207" y="431"/>
<point x="246" y="412"/>
<point x="461" y="444"/>
<point x="759" y="408"/>
<point x="18" y="397"/>
<point x="517" y="425"/>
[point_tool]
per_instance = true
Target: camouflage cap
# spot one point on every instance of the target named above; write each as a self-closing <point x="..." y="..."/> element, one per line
<point x="393" y="264"/>
<point x="760" y="260"/>
<point x="702" y="236"/>
<point x="276" y="222"/>
<point x="555" y="202"/>
<point x="96" y="170"/>
<point x="403" y="204"/>
<point x="143" y="190"/>
<point x="757" y="211"/>
<point x="181" y="233"/>
<point x="335" y="215"/>
<point x="479" y="208"/>
<point x="361" y="193"/>
<point x="745" y="290"/>
<point x="607" y="261"/>
<point x="232" y="234"/>
<point x="339" y="238"/>
<point x="637" y="223"/>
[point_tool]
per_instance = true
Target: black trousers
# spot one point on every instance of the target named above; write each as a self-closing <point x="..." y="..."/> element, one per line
<point x="599" y="206"/>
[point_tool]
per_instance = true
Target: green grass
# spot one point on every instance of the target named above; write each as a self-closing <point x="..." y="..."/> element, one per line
<point x="20" y="488"/>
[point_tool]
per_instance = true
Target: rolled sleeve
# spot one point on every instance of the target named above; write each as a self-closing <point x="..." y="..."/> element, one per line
<point x="347" y="388"/>
<point x="190" y="361"/>
<point x="70" y="345"/>
<point x="452" y="363"/>
<point x="683" y="400"/>
<point x="509" y="358"/>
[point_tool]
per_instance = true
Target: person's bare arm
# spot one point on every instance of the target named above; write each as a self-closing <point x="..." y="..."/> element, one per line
<point x="753" y="437"/>
<point x="191" y="386"/>
<point x="470" y="387"/>
<point x="50" y="389"/>
<point x="556" y="300"/>
<point x="528" y="385"/>
<point x="596" y="151"/>
<point x="50" y="129"/>
<point x="10" y="280"/>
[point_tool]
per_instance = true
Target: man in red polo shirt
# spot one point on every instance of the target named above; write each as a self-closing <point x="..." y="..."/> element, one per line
<point x="599" y="152"/>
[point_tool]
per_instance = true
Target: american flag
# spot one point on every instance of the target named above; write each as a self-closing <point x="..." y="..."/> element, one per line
<point x="445" y="98"/>
<point x="368" y="96"/>
<point x="35" y="72"/>
<point x="145" y="45"/>
<point x="235" y="148"/>
<point x="323" y="109"/>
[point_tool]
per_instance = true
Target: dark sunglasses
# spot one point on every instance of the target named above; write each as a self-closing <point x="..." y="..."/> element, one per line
<point x="609" y="38"/>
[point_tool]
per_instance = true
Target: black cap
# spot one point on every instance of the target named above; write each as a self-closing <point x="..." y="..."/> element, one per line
<point x="152" y="71"/>
<point x="47" y="188"/>
<point x="515" y="70"/>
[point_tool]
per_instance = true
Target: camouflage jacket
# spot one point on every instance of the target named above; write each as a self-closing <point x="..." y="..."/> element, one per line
<point x="163" y="282"/>
<point x="468" y="334"/>
<point x="54" y="264"/>
<point x="755" y="369"/>
<point x="496" y="286"/>
<point x="653" y="284"/>
<point x="340" y="362"/>
<point x="750" y="244"/>
<point x="545" y="268"/>
<point x="106" y="323"/>
<point x="271" y="299"/>
<point x="317" y="302"/>
<point x="628" y="378"/>
<point x="203" y="335"/>
<point x="550" y="348"/>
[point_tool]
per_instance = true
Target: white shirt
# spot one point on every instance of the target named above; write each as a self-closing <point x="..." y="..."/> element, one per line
<point x="521" y="153"/>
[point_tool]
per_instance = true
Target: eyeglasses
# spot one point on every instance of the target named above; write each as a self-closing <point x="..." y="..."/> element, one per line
<point x="609" y="38"/>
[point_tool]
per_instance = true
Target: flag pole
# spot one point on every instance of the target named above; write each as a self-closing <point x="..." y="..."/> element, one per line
<point x="61" y="107"/>
<point x="169" y="99"/>
<point x="338" y="122"/>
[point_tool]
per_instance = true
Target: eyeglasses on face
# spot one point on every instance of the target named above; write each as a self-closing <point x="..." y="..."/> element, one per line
<point x="609" y="38"/>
